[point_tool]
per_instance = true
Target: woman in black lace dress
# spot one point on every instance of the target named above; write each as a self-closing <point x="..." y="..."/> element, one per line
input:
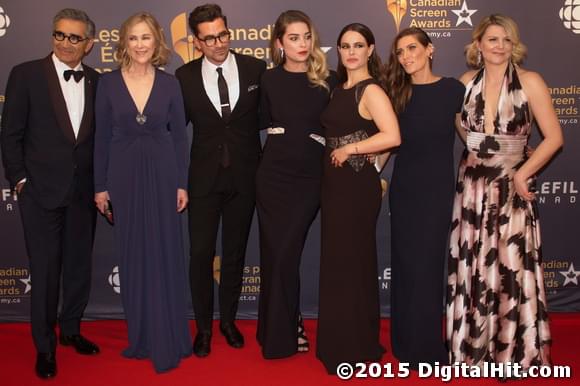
<point x="358" y="121"/>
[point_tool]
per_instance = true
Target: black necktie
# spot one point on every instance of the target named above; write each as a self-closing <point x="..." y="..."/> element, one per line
<point x="226" y="112"/>
<point x="224" y="95"/>
<point x="78" y="75"/>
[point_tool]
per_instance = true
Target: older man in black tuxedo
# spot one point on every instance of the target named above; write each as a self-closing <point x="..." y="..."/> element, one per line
<point x="47" y="151"/>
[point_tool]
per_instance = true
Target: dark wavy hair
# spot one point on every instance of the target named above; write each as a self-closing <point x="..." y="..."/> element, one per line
<point x="399" y="85"/>
<point x="374" y="64"/>
<point x="205" y="13"/>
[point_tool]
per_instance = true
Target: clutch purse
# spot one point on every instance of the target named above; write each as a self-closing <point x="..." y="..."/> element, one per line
<point x="109" y="213"/>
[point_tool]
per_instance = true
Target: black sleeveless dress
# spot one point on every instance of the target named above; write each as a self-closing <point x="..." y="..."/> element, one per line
<point x="349" y="313"/>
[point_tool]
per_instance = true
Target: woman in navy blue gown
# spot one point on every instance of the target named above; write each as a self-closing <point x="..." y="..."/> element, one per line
<point x="421" y="197"/>
<point x="140" y="166"/>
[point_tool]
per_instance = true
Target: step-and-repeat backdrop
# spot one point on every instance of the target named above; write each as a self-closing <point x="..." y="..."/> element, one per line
<point x="551" y="29"/>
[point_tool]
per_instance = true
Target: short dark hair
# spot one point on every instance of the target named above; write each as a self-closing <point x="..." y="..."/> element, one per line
<point x="78" y="15"/>
<point x="205" y="13"/>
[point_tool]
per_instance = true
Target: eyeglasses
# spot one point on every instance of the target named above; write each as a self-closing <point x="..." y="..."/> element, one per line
<point x="72" y="38"/>
<point x="211" y="40"/>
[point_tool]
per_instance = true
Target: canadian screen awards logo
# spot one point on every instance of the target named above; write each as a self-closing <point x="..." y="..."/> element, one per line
<point x="437" y="17"/>
<point x="4" y="22"/>
<point x="570" y="15"/>
<point x="181" y="40"/>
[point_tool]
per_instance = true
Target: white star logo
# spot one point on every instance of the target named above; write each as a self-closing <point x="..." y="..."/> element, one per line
<point x="326" y="49"/>
<point x="464" y="14"/>
<point x="28" y="285"/>
<point x="571" y="275"/>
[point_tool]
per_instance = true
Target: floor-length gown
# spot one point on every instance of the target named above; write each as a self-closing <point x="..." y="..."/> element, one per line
<point x="496" y="306"/>
<point x="142" y="161"/>
<point x="287" y="199"/>
<point x="349" y="311"/>
<point x="421" y="199"/>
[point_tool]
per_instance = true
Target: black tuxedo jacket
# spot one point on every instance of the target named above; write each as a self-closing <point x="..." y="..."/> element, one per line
<point x="37" y="137"/>
<point x="240" y="132"/>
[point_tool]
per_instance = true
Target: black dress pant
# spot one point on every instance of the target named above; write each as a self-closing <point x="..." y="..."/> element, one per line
<point x="59" y="243"/>
<point x="235" y="210"/>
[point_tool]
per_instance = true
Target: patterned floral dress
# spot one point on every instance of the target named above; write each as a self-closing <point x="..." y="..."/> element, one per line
<point x="496" y="303"/>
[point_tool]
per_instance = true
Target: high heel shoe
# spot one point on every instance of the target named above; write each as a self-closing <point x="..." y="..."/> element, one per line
<point x="303" y="344"/>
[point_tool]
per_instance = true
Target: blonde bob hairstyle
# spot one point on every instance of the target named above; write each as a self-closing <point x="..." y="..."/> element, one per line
<point x="317" y="65"/>
<point x="511" y="28"/>
<point x="160" y="56"/>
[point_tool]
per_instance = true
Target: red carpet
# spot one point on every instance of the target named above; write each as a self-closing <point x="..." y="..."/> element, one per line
<point x="227" y="366"/>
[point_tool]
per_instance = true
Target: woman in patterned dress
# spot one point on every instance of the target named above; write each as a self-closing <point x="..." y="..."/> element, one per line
<point x="496" y="304"/>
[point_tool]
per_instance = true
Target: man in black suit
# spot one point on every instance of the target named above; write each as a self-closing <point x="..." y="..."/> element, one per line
<point x="221" y="94"/>
<point x="47" y="151"/>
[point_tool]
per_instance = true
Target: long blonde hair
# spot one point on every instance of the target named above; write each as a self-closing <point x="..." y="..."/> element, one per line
<point x="519" y="50"/>
<point x="162" y="52"/>
<point x="317" y="66"/>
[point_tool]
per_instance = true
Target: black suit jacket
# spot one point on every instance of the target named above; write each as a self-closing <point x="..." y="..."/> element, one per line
<point x="37" y="137"/>
<point x="210" y="131"/>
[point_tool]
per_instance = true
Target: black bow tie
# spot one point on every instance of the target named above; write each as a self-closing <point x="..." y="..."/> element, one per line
<point x="78" y="75"/>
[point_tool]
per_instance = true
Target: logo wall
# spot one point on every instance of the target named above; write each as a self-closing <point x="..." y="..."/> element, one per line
<point x="558" y="192"/>
<point x="181" y="40"/>
<point x="15" y="284"/>
<point x="437" y="17"/>
<point x="4" y="22"/>
<point x="560" y="273"/>
<point x="570" y="15"/>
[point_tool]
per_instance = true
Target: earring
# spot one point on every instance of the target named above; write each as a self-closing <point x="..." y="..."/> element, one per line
<point x="479" y="59"/>
<point x="281" y="50"/>
<point x="431" y="56"/>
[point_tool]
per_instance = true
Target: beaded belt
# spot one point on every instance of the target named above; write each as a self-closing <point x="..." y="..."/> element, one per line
<point x="356" y="161"/>
<point x="501" y="144"/>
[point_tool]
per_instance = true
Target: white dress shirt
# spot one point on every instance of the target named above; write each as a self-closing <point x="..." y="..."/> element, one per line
<point x="74" y="93"/>
<point x="210" y="81"/>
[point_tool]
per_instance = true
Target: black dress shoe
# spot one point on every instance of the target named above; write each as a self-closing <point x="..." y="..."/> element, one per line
<point x="80" y="343"/>
<point x="233" y="336"/>
<point x="45" y="365"/>
<point x="202" y="344"/>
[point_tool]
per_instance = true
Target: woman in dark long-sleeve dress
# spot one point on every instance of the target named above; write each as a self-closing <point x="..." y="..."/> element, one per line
<point x="420" y="197"/>
<point x="294" y="93"/>
<point x="140" y="165"/>
<point x="358" y="121"/>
